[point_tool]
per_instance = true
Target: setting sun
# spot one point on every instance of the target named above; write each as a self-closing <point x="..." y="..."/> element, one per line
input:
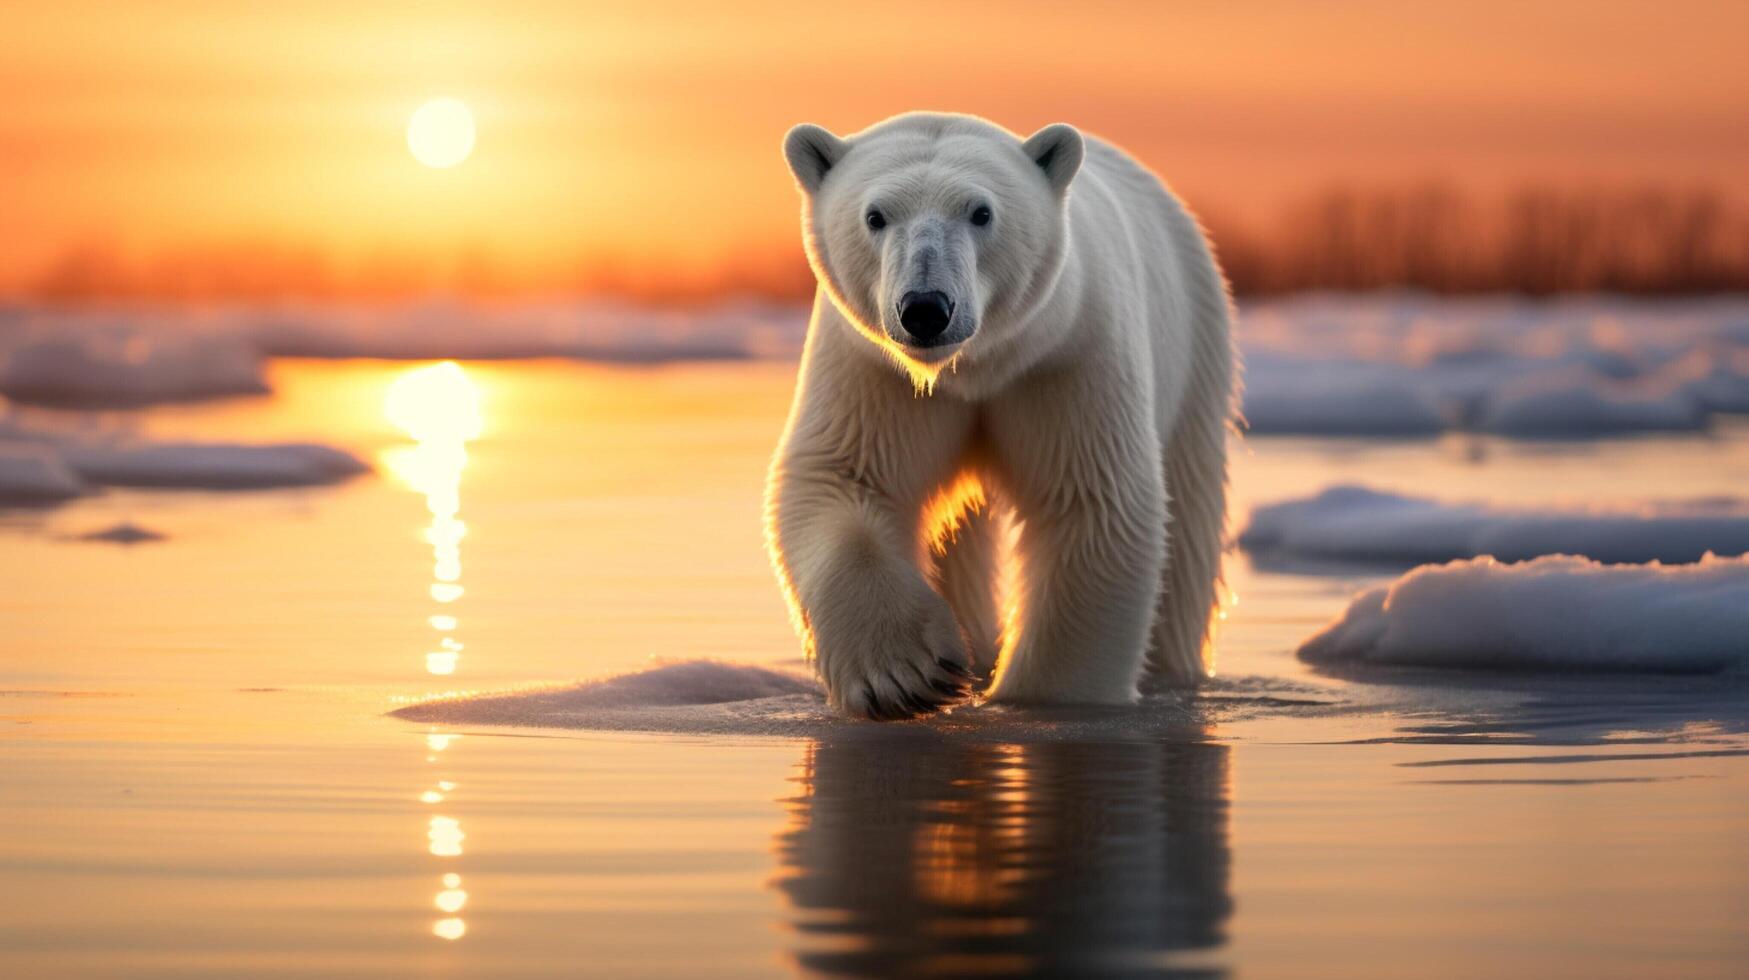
<point x="441" y="133"/>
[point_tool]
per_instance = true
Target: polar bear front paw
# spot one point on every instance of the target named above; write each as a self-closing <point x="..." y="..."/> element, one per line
<point x="896" y="662"/>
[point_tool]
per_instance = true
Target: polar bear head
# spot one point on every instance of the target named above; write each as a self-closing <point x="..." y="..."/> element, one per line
<point x="935" y="234"/>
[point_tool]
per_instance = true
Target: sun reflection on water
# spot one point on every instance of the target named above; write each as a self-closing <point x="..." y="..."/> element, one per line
<point x="444" y="837"/>
<point x="449" y="928"/>
<point x="438" y="407"/>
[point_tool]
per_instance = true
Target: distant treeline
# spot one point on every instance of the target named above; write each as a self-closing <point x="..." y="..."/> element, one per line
<point x="1430" y="237"/>
<point x="1533" y="241"/>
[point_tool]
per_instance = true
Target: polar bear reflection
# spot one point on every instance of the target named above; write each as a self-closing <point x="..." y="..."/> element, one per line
<point x="977" y="858"/>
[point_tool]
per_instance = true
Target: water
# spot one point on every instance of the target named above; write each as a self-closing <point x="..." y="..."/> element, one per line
<point x="202" y="777"/>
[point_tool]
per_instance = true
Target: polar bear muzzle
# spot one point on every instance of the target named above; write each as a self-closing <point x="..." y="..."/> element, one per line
<point x="925" y="315"/>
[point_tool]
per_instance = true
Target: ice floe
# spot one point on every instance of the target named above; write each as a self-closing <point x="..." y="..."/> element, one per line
<point x="1573" y="368"/>
<point x="212" y="466"/>
<point x="124" y="359"/>
<point x="1348" y="523"/>
<point x="35" y="475"/>
<point x="1398" y="365"/>
<point x="1286" y="396"/>
<point x="1717" y="378"/>
<point x="105" y="365"/>
<point x="1559" y="613"/>
<point x="1573" y="404"/>
<point x="595" y="330"/>
<point x="45" y="463"/>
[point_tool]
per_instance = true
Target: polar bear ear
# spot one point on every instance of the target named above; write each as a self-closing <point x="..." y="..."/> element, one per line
<point x="811" y="152"/>
<point x="1057" y="149"/>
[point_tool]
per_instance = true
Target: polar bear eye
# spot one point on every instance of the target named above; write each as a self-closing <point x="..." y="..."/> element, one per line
<point x="876" y="219"/>
<point x="980" y="216"/>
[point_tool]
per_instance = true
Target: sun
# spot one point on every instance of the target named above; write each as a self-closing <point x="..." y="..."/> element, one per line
<point x="440" y="133"/>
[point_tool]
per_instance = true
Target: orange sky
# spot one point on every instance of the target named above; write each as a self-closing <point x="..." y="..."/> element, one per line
<point x="168" y="131"/>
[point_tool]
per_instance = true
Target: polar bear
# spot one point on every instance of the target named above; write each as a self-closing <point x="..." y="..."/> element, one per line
<point x="1020" y="360"/>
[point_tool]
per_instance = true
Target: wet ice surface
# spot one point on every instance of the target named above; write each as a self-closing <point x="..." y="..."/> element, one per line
<point x="712" y="697"/>
<point x="1520" y="705"/>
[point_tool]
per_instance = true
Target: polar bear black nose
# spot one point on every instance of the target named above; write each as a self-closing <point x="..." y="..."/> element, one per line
<point x="925" y="315"/>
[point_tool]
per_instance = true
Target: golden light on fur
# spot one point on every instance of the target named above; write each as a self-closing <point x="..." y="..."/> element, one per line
<point x="798" y="616"/>
<point x="945" y="512"/>
<point x="923" y="376"/>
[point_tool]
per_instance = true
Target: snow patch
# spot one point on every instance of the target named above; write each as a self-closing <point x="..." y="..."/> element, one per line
<point x="1558" y="613"/>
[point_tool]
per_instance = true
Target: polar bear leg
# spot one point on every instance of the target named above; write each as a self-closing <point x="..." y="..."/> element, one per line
<point x="1195" y="459"/>
<point x="883" y="641"/>
<point x="1089" y="580"/>
<point x="1196" y="487"/>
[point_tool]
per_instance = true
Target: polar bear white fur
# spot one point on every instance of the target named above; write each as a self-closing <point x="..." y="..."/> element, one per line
<point x="1009" y="335"/>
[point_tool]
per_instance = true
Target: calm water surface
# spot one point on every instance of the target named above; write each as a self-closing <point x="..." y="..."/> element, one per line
<point x="197" y="775"/>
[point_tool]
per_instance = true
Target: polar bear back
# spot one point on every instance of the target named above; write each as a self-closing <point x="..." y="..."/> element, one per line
<point x="1147" y="267"/>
